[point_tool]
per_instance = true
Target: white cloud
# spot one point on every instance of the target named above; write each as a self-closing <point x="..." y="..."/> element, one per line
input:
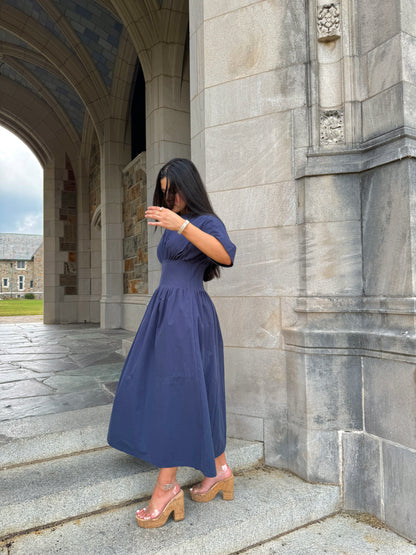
<point x="21" y="186"/>
<point x="31" y="223"/>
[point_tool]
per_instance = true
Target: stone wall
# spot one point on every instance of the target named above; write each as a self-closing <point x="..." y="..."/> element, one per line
<point x="94" y="177"/>
<point x="38" y="270"/>
<point x="10" y="271"/>
<point x="303" y="125"/>
<point x="94" y="199"/>
<point x="135" y="245"/>
<point x="32" y="276"/>
<point x="248" y="100"/>
<point x="68" y="242"/>
<point x="350" y="340"/>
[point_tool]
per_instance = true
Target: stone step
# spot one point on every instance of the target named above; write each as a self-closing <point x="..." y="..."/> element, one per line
<point x="44" y="437"/>
<point x="342" y="534"/>
<point x="43" y="493"/>
<point x="126" y="346"/>
<point x="266" y="503"/>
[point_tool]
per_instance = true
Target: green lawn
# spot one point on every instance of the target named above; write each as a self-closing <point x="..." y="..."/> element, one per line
<point x="21" y="307"/>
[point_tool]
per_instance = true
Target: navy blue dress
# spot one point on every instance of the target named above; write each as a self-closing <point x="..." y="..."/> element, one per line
<point x="169" y="408"/>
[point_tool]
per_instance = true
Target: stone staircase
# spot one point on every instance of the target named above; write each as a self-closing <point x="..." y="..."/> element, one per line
<point x="63" y="490"/>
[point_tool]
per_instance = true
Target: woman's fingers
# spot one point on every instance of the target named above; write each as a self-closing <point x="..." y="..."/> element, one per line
<point x="155" y="212"/>
<point x="164" y="217"/>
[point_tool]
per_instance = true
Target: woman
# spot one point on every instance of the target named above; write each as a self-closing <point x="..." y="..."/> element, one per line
<point x="169" y="408"/>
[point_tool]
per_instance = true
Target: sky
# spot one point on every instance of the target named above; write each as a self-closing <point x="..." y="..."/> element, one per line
<point x="21" y="187"/>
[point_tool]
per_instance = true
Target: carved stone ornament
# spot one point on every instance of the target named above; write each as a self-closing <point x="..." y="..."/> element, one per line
<point x="332" y="127"/>
<point x="328" y="22"/>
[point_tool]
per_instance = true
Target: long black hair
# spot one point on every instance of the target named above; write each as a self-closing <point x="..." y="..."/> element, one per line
<point x="183" y="178"/>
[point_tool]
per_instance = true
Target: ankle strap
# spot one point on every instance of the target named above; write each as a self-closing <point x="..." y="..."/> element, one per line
<point x="167" y="487"/>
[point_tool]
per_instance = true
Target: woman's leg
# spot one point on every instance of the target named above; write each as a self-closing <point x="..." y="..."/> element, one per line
<point x="220" y="461"/>
<point x="165" y="489"/>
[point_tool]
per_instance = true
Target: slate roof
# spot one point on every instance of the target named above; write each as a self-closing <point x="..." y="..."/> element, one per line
<point x="16" y="246"/>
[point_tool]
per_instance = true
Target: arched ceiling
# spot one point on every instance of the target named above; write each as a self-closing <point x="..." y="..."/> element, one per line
<point x="64" y="52"/>
<point x="70" y="54"/>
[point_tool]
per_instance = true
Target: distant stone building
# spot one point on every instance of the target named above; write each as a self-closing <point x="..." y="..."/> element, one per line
<point x="21" y="265"/>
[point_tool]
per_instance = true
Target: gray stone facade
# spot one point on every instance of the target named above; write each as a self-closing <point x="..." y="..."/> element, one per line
<point x="135" y="227"/>
<point x="21" y="265"/>
<point x="301" y="117"/>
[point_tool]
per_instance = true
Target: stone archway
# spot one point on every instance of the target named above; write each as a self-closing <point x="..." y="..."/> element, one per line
<point x="67" y="73"/>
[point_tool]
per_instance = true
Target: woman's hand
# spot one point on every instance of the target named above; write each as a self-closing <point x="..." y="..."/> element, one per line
<point x="164" y="218"/>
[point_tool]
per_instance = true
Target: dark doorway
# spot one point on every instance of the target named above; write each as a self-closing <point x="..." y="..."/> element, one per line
<point x="138" y="113"/>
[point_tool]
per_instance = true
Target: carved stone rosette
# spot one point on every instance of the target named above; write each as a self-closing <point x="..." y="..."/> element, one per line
<point x="328" y="22"/>
<point x="332" y="127"/>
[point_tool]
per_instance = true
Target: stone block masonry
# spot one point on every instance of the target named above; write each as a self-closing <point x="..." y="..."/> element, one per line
<point x="94" y="177"/>
<point x="68" y="242"/>
<point x="21" y="265"/>
<point x="306" y="141"/>
<point x="135" y="252"/>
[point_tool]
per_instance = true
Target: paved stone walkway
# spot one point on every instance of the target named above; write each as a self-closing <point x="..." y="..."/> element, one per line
<point x="48" y="369"/>
<point x="21" y="319"/>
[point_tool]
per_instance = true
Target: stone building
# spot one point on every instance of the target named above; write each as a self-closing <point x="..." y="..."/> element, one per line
<point x="301" y="118"/>
<point x="21" y="265"/>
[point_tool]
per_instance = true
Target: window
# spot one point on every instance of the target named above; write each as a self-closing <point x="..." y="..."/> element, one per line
<point x="21" y="283"/>
<point x="5" y="282"/>
<point x="21" y="264"/>
<point x="31" y="283"/>
<point x="138" y="113"/>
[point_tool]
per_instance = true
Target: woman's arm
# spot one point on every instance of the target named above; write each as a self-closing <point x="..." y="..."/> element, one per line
<point x="205" y="242"/>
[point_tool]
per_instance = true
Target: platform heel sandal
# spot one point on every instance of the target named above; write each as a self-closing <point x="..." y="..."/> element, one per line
<point x="159" y="517"/>
<point x="225" y="485"/>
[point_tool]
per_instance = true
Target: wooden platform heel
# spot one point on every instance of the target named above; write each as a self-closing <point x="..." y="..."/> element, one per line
<point x="226" y="486"/>
<point x="159" y="518"/>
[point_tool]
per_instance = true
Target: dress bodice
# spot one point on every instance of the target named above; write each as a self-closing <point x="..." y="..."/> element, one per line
<point x="189" y="259"/>
<point x="182" y="274"/>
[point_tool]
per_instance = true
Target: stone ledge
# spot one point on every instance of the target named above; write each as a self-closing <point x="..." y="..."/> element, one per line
<point x="390" y="147"/>
<point x="375" y="343"/>
<point x="367" y="305"/>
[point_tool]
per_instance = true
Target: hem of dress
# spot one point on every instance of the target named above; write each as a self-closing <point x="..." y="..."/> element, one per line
<point x="147" y="459"/>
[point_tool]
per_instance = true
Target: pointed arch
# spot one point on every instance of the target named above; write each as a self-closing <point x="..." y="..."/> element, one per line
<point x="141" y="25"/>
<point x="43" y="91"/>
<point x="33" y="120"/>
<point x="92" y="93"/>
<point x="71" y="36"/>
<point x="21" y="53"/>
<point x="122" y="83"/>
<point x="27" y="135"/>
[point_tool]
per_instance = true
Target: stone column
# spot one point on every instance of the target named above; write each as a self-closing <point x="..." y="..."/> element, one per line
<point x="53" y="294"/>
<point x="83" y="247"/>
<point x="95" y="271"/>
<point x="329" y="57"/>
<point x="167" y="124"/>
<point x="112" y="161"/>
<point x="248" y="92"/>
